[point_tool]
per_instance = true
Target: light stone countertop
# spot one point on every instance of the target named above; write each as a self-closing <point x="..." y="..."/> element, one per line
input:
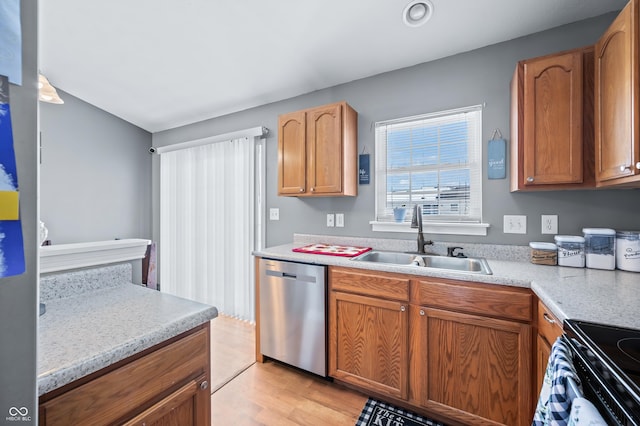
<point x="97" y="317"/>
<point x="608" y="297"/>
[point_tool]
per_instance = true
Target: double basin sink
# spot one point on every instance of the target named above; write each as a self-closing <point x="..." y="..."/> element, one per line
<point x="473" y="265"/>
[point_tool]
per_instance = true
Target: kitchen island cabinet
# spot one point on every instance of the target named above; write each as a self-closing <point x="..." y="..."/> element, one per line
<point x="317" y="152"/>
<point x="617" y="82"/>
<point x="167" y="385"/>
<point x="112" y="352"/>
<point x="552" y="144"/>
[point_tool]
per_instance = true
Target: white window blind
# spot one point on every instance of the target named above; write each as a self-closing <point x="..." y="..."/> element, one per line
<point x="211" y="212"/>
<point x="434" y="160"/>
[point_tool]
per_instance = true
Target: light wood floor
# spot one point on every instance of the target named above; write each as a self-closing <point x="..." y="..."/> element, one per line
<point x="272" y="393"/>
<point x="232" y="349"/>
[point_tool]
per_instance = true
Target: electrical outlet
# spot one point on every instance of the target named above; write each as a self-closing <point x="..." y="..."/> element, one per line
<point x="515" y="224"/>
<point x="550" y="224"/>
<point x="340" y="220"/>
<point x="274" y="214"/>
<point x="330" y="220"/>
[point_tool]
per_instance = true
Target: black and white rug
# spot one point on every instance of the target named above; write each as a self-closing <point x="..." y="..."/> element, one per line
<point x="379" y="413"/>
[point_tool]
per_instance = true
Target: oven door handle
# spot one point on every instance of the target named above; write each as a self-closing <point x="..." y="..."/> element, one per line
<point x="592" y="374"/>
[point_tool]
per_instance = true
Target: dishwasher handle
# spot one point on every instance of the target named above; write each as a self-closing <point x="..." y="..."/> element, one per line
<point x="290" y="276"/>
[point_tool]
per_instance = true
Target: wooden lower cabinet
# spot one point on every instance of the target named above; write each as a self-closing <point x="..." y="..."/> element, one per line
<point x="470" y="368"/>
<point x="166" y="385"/>
<point x="549" y="329"/>
<point x="368" y="343"/>
<point x="457" y="351"/>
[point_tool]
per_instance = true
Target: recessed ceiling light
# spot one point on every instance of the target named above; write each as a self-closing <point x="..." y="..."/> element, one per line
<point x="417" y="13"/>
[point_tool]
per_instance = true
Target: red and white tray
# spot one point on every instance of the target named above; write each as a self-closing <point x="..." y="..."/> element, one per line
<point x="332" y="250"/>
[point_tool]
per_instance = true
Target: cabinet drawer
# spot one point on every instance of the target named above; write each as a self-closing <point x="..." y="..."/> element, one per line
<point x="549" y="327"/>
<point x="484" y="299"/>
<point x="132" y="387"/>
<point x="369" y="283"/>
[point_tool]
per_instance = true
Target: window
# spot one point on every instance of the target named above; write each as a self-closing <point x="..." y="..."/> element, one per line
<point x="434" y="160"/>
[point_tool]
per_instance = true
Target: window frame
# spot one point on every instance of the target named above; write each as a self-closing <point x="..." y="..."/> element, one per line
<point x="442" y="224"/>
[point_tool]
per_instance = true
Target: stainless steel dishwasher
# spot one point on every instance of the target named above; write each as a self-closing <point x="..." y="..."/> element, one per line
<point x="292" y="314"/>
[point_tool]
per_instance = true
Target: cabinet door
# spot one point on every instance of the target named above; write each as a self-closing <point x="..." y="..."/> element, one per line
<point x="324" y="145"/>
<point x="368" y="343"/>
<point x="121" y="392"/>
<point x="543" y="350"/>
<point x="183" y="407"/>
<point x="549" y="329"/>
<point x="553" y="101"/>
<point x="292" y="153"/>
<point x="470" y="368"/>
<point x="616" y="99"/>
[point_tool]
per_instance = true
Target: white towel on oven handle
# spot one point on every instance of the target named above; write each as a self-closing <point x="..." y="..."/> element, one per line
<point x="584" y="413"/>
<point x="554" y="403"/>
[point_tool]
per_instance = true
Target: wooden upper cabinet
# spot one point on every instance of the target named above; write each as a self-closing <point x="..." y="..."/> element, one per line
<point x="552" y="122"/>
<point x="616" y="101"/>
<point x="317" y="152"/>
<point x="292" y="153"/>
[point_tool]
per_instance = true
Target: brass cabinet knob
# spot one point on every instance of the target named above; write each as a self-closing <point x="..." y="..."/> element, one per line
<point x="301" y="189"/>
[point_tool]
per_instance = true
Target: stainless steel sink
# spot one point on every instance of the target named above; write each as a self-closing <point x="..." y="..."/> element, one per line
<point x="473" y="265"/>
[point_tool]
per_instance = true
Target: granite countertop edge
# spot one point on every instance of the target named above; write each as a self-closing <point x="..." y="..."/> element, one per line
<point x="602" y="296"/>
<point x="79" y="335"/>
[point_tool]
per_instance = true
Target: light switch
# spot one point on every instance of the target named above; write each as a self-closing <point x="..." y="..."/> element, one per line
<point x="340" y="220"/>
<point x="515" y="224"/>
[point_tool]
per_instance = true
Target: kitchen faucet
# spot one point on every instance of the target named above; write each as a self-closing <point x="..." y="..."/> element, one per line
<point x="416" y="222"/>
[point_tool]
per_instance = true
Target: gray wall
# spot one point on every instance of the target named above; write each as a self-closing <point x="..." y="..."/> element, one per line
<point x="19" y="294"/>
<point x="476" y="77"/>
<point x="95" y="174"/>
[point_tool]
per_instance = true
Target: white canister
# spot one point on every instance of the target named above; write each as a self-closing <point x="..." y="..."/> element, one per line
<point x="570" y="250"/>
<point x="600" y="248"/>
<point x="628" y="250"/>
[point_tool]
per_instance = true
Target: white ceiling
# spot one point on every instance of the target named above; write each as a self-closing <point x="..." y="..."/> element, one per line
<point x="160" y="64"/>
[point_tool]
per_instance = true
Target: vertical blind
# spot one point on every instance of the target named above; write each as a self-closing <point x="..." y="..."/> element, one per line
<point x="209" y="225"/>
<point x="434" y="160"/>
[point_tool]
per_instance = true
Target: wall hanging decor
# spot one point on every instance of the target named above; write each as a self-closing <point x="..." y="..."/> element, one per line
<point x="496" y="156"/>
<point x="11" y="248"/>
<point x="364" y="168"/>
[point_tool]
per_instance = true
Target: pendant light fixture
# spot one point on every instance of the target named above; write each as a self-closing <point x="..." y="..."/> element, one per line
<point x="46" y="92"/>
